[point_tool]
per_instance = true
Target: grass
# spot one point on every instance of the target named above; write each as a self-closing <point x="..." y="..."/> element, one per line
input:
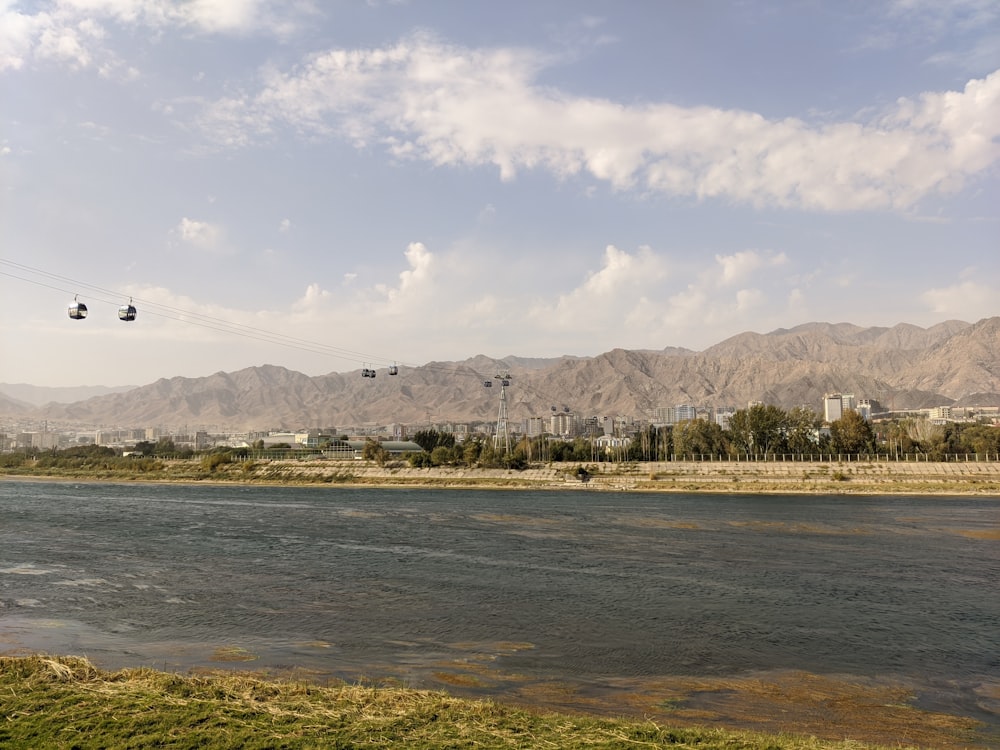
<point x="65" y="702"/>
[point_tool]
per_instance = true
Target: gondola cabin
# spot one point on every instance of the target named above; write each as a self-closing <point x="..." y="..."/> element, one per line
<point x="77" y="310"/>
<point x="127" y="312"/>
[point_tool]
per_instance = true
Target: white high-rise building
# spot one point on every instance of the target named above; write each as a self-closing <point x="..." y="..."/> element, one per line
<point x="833" y="407"/>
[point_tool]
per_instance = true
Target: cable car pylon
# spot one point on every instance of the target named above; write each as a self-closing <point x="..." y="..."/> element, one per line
<point x="501" y="437"/>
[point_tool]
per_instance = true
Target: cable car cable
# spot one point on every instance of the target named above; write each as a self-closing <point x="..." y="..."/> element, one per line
<point x="250" y="332"/>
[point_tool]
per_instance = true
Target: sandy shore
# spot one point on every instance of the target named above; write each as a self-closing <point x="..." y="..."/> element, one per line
<point x="807" y="477"/>
<point x="797" y="477"/>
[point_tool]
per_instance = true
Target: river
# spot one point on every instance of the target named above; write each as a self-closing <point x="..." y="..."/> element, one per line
<point x="499" y="593"/>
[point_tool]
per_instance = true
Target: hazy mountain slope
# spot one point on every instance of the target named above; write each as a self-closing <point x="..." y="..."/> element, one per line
<point x="35" y="395"/>
<point x="903" y="366"/>
<point x="12" y="406"/>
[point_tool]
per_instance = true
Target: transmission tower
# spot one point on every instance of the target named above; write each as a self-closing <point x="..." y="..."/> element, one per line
<point x="501" y="438"/>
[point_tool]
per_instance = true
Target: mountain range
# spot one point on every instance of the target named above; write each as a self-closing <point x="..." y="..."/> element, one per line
<point x="903" y="367"/>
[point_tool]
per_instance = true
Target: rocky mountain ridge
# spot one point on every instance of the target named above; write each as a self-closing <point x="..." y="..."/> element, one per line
<point x="904" y="367"/>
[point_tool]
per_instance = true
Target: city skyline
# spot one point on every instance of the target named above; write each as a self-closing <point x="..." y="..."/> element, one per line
<point x="332" y="187"/>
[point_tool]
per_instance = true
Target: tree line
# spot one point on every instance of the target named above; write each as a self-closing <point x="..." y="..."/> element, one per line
<point x="760" y="431"/>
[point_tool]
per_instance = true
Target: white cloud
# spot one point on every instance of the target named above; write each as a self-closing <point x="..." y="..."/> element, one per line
<point x="73" y="32"/>
<point x="738" y="266"/>
<point x="747" y="300"/>
<point x="967" y="300"/>
<point x="19" y="33"/>
<point x="285" y="225"/>
<point x="414" y="283"/>
<point x="458" y="106"/>
<point x="315" y="297"/>
<point x="210" y="16"/>
<point x="201" y="234"/>
<point x="609" y="294"/>
<point x="63" y="45"/>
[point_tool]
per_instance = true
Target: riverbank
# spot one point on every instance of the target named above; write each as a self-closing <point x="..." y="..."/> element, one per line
<point x="788" y="477"/>
<point x="67" y="702"/>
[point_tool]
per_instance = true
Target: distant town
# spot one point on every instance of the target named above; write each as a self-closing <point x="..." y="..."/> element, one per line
<point x="911" y="430"/>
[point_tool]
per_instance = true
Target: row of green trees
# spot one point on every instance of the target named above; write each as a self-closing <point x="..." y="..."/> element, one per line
<point x="759" y="431"/>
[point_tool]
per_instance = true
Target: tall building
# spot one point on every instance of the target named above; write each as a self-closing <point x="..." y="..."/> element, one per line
<point x="723" y="414"/>
<point x="865" y="409"/>
<point x="685" y="411"/>
<point x="674" y="414"/>
<point x="835" y="405"/>
<point x="564" y="423"/>
<point x="534" y="426"/>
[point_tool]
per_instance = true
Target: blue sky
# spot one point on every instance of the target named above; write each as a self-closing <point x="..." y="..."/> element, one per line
<point x="327" y="185"/>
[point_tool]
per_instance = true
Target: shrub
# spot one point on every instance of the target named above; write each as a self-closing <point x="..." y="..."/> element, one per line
<point x="214" y="460"/>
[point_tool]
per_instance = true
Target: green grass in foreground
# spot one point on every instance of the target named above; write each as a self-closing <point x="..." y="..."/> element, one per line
<point x="65" y="702"/>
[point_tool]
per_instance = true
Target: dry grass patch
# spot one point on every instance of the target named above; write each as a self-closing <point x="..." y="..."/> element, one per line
<point x="65" y="702"/>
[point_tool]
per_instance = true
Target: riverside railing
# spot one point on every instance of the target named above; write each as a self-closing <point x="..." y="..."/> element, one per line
<point x="837" y="457"/>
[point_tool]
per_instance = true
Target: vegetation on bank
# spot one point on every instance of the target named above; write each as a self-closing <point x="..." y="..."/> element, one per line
<point x="758" y="432"/>
<point x="65" y="702"/>
<point x="781" y="474"/>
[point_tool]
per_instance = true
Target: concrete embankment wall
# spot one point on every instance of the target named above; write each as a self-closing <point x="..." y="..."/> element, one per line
<point x="719" y="476"/>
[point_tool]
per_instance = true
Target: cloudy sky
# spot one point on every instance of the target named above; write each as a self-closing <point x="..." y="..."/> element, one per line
<point x="330" y="185"/>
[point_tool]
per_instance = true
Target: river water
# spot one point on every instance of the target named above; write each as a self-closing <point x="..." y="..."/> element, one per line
<point x="489" y="591"/>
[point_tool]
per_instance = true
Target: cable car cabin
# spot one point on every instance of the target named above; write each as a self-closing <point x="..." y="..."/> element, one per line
<point x="126" y="312"/>
<point x="367" y="373"/>
<point x="77" y="310"/>
<point x="393" y="370"/>
<point x="487" y="383"/>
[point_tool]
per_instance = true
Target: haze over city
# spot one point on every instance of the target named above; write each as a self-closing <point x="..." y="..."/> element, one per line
<point x="331" y="186"/>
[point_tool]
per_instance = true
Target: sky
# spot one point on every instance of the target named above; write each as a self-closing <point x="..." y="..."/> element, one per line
<point x="328" y="186"/>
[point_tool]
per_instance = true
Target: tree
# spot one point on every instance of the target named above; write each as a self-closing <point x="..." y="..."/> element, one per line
<point x="145" y="447"/>
<point x="801" y="430"/>
<point x="583" y="449"/>
<point x="852" y="434"/>
<point x="421" y="460"/>
<point x="758" y="430"/>
<point x="431" y="439"/>
<point x="927" y="436"/>
<point x="165" y="447"/>
<point x="374" y="451"/>
<point x="471" y="450"/>
<point x="211" y="461"/>
<point x="441" y="455"/>
<point x="698" y="437"/>
<point x="560" y="450"/>
<point x="980" y="438"/>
